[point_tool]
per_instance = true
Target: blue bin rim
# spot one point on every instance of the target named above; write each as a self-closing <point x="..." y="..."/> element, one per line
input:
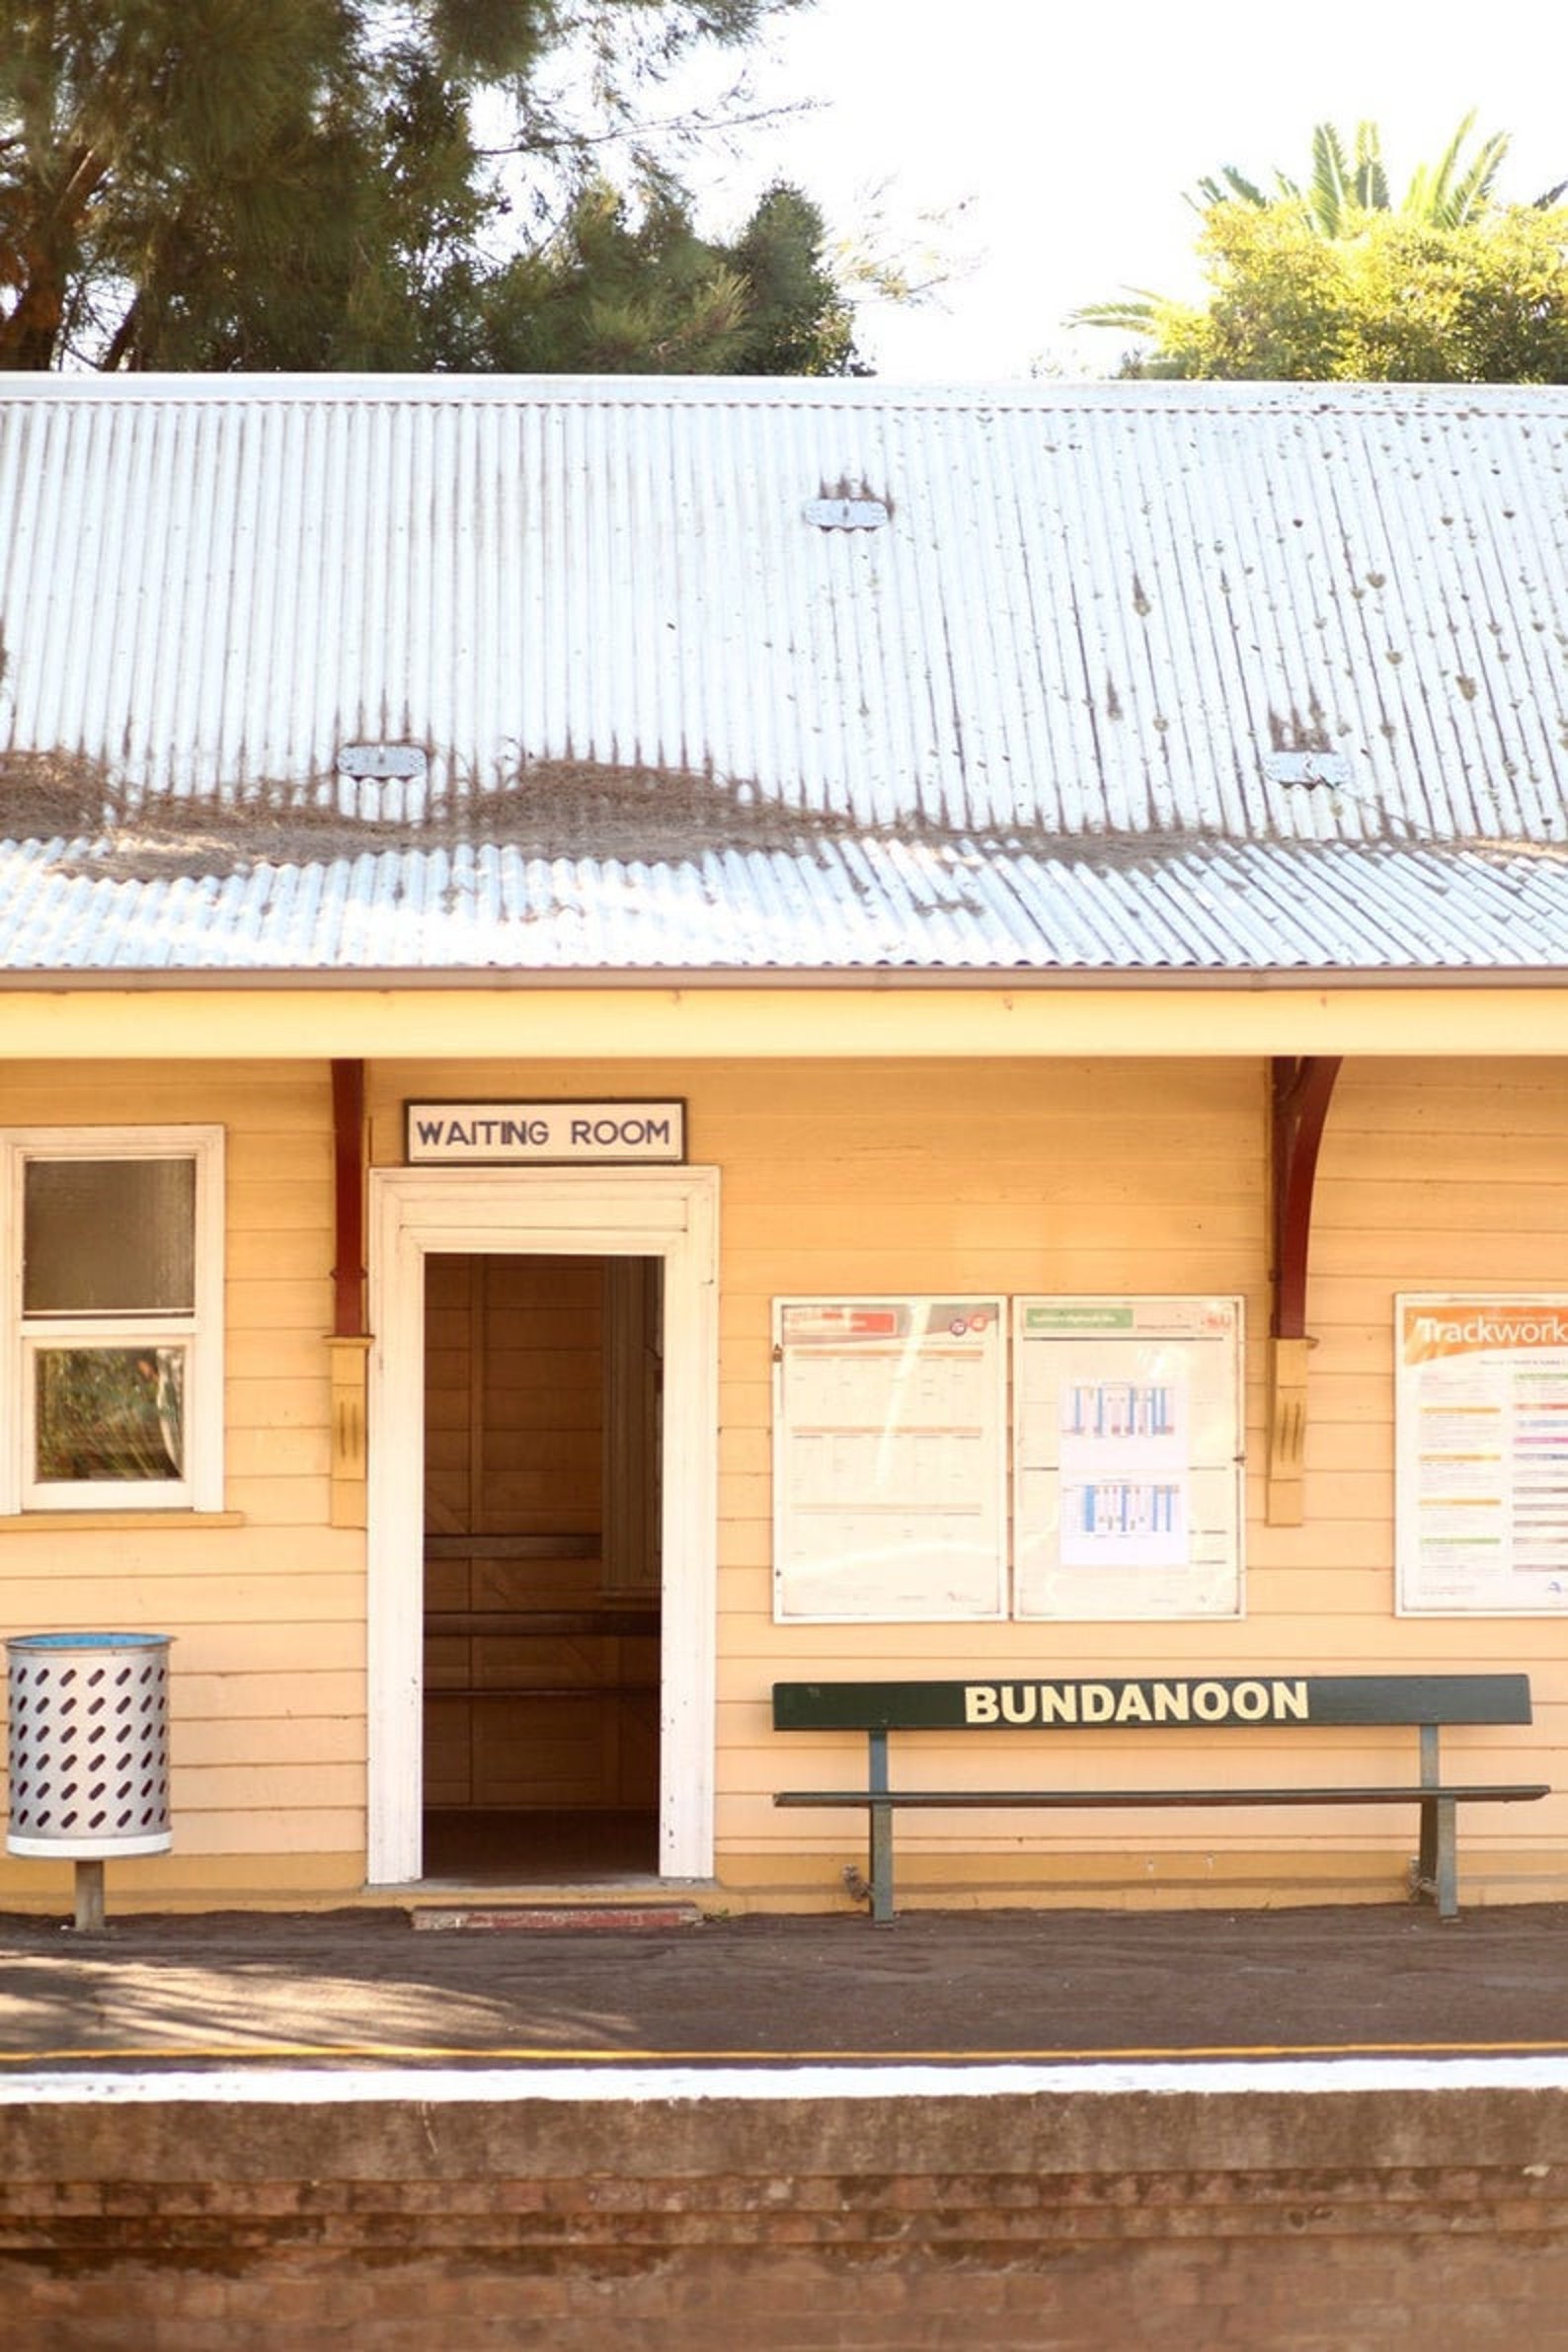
<point x="88" y="1641"/>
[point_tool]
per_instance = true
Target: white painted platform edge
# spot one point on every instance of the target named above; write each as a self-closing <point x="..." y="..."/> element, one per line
<point x="443" y="2085"/>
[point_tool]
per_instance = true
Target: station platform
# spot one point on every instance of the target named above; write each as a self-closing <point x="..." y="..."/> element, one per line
<point x="644" y="1984"/>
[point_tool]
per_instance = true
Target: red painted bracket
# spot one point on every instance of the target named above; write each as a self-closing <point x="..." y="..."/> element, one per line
<point x="1303" y="1088"/>
<point x="348" y="1125"/>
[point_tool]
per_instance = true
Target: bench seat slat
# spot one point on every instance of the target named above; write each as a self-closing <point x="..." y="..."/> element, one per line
<point x="1469" y="1792"/>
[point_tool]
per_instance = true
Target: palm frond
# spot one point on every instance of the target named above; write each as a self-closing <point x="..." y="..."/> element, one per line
<point x="1372" y="180"/>
<point x="1472" y="191"/>
<point x="1434" y="181"/>
<point x="1134" y="313"/>
<point x="1330" y="178"/>
<point x="1231" y="186"/>
<point x="1445" y="197"/>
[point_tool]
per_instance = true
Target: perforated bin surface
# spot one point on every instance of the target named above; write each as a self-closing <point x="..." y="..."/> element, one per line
<point x="89" y="1744"/>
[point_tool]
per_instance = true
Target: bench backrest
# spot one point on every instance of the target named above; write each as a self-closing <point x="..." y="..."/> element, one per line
<point x="1149" y="1703"/>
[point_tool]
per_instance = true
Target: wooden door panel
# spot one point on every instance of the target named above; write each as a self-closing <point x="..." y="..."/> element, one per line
<point x="541" y="1752"/>
<point x="517" y="1463"/>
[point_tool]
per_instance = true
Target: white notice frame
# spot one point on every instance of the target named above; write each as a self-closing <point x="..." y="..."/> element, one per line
<point x="1128" y="1445"/>
<point x="890" y="1462"/>
<point x="1481" y="1454"/>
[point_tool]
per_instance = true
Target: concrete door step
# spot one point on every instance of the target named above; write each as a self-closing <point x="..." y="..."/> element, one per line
<point x="556" y="1918"/>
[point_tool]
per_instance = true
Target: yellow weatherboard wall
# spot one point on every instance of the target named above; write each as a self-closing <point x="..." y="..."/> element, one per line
<point x="845" y="1175"/>
<point x="265" y="1600"/>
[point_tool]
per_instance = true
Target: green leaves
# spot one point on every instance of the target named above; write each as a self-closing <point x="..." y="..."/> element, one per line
<point x="1402" y="300"/>
<point x="628" y="286"/>
<point x="1447" y="197"/>
<point x="219" y="184"/>
<point x="1344" y="187"/>
<point x="1335" y="280"/>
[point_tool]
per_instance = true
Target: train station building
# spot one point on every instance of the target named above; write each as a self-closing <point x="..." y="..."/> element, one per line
<point x="659" y="1038"/>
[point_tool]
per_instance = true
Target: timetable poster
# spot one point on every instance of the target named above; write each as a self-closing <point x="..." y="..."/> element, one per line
<point x="1127" y="1458"/>
<point x="889" y="1460"/>
<point x="1482" y="1455"/>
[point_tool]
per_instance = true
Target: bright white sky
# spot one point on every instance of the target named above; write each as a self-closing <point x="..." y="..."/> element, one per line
<point x="1060" y="139"/>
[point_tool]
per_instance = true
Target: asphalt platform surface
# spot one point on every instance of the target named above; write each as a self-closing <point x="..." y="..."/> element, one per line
<point x="362" y="1987"/>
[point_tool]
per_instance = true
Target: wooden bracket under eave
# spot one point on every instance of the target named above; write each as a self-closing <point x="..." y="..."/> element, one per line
<point x="1287" y="1430"/>
<point x="1302" y="1091"/>
<point x="349" y="1359"/>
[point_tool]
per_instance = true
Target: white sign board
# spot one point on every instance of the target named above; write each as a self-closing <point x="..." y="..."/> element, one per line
<point x="1482" y="1455"/>
<point x="1127" y="1458"/>
<point x="544" y="1133"/>
<point x="889" y="1459"/>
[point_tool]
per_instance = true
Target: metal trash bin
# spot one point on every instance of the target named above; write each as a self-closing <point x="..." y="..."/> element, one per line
<point x="89" y="1751"/>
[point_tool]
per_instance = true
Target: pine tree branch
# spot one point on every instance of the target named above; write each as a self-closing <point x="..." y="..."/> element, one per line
<point x="124" y="338"/>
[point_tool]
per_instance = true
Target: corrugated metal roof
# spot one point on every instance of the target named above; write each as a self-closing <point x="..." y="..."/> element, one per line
<point x="669" y="721"/>
<point x="853" y="906"/>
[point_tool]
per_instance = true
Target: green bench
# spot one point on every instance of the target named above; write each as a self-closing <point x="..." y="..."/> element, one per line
<point x="1182" y="1706"/>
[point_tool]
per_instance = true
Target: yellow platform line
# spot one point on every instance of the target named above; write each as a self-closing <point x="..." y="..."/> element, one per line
<point x="530" y="2054"/>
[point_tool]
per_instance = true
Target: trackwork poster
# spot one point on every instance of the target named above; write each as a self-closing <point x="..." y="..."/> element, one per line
<point x="889" y="1460"/>
<point x="1126" y="1461"/>
<point x="1482" y="1455"/>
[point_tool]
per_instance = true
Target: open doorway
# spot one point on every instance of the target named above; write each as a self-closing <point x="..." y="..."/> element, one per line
<point x="668" y="1214"/>
<point x="542" y="1570"/>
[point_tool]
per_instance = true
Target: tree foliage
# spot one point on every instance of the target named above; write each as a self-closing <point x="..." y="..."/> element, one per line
<point x="377" y="184"/>
<point x="1346" y="184"/>
<point x="1399" y="301"/>
<point x="624" y="286"/>
<point x="1334" y="279"/>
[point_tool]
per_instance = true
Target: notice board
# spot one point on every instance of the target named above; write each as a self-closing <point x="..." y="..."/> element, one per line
<point x="1127" y="1458"/>
<point x="1482" y="1444"/>
<point x="890" y="1462"/>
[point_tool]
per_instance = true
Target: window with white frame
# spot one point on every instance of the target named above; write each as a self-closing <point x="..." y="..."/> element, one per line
<point x="115" y="1398"/>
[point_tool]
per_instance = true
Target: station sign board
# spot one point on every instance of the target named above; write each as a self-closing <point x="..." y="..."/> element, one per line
<point x="590" y="1133"/>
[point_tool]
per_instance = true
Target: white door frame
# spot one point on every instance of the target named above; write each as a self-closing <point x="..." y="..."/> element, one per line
<point x="670" y="1214"/>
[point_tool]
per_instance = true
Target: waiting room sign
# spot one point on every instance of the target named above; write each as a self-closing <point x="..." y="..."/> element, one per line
<point x="552" y="1134"/>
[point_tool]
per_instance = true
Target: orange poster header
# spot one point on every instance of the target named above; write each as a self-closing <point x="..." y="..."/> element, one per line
<point x="1480" y="1327"/>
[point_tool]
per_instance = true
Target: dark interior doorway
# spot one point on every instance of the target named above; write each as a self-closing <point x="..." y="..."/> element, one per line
<point x="542" y="1568"/>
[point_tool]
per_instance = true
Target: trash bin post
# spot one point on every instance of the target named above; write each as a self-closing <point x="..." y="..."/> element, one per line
<point x="89" y="1752"/>
<point x="89" y="1912"/>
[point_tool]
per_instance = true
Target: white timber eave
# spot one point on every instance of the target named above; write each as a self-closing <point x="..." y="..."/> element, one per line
<point x="624" y="1017"/>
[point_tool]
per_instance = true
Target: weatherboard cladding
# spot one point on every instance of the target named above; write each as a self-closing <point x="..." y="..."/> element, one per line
<point x="671" y="722"/>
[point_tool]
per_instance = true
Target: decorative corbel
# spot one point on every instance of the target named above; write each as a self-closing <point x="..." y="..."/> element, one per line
<point x="348" y="1346"/>
<point x="1301" y="1088"/>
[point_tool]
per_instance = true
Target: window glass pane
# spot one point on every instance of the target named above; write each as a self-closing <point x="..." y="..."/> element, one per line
<point x="109" y="1413"/>
<point x="109" y="1236"/>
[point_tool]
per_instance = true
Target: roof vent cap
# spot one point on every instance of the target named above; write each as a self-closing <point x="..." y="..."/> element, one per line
<point x="383" y="782"/>
<point x="1306" y="768"/>
<point x="862" y="513"/>
<point x="382" y="759"/>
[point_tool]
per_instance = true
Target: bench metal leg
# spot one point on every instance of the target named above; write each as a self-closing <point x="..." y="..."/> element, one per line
<point x="1446" y="1878"/>
<point x="882" y="1862"/>
<point x="880" y="1826"/>
<point x="1438" y="1870"/>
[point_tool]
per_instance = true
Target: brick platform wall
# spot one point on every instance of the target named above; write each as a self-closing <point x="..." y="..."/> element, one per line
<point x="1321" y="2223"/>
